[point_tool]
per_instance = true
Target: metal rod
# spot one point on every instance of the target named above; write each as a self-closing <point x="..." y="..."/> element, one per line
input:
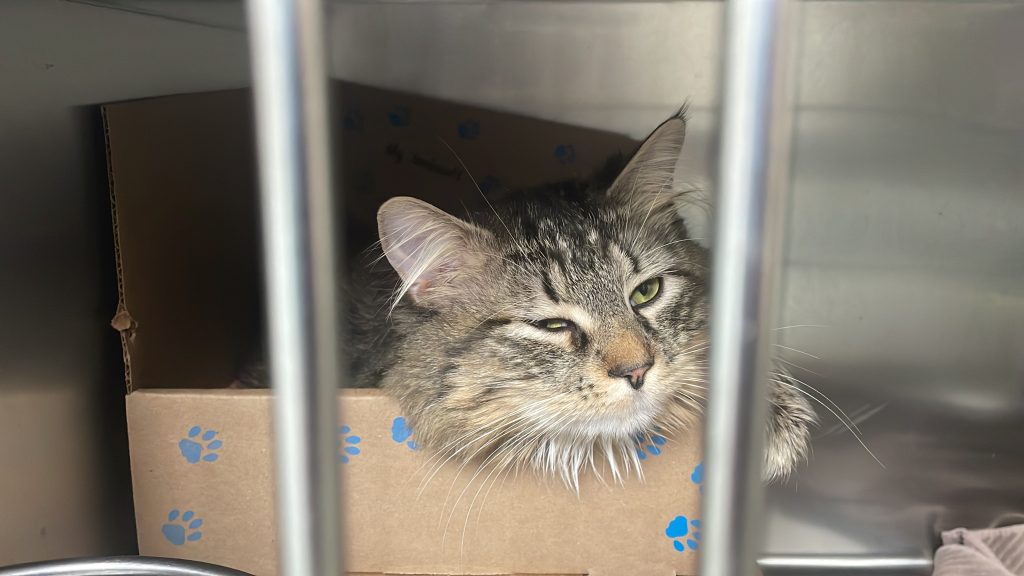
<point x="292" y="126"/>
<point x="746" y="241"/>
<point x="120" y="566"/>
<point x="845" y="565"/>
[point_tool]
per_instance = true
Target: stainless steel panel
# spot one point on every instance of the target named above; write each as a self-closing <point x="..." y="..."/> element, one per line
<point x="65" y="489"/>
<point x="905" y="244"/>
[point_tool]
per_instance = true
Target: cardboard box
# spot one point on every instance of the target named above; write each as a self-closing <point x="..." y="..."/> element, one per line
<point x="184" y="201"/>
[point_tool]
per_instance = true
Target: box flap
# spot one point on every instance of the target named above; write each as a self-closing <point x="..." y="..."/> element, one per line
<point x="182" y="186"/>
<point x="185" y="209"/>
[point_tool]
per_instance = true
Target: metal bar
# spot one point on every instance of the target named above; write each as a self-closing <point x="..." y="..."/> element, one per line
<point x="746" y="241"/>
<point x="292" y="125"/>
<point x="120" y="566"/>
<point x="846" y="565"/>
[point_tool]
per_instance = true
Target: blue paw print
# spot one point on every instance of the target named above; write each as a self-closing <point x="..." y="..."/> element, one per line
<point x="684" y="533"/>
<point x="399" y="116"/>
<point x="697" y="477"/>
<point x="183" y="529"/>
<point x="196" y="447"/>
<point x="347" y="444"/>
<point x="651" y="444"/>
<point x="565" y="153"/>
<point x="353" y="120"/>
<point x="489" y="184"/>
<point x="401" y="432"/>
<point x="469" y="130"/>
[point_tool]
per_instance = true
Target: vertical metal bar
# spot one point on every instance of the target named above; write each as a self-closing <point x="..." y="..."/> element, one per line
<point x="746" y="241"/>
<point x="292" y="122"/>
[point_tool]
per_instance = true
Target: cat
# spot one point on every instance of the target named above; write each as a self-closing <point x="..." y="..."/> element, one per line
<point x="551" y="330"/>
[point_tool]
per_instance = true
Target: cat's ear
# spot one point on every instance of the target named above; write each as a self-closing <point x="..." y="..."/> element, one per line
<point x="429" y="248"/>
<point x="647" y="180"/>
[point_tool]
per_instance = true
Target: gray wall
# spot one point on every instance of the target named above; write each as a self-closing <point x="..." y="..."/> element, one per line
<point x="63" y="487"/>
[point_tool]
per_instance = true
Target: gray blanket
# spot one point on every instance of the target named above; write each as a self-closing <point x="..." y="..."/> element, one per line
<point x="991" y="552"/>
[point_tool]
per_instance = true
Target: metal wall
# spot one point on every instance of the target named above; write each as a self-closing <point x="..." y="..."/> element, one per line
<point x="64" y="484"/>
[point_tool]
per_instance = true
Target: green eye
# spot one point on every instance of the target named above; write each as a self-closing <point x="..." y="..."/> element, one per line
<point x="646" y="292"/>
<point x="554" y="324"/>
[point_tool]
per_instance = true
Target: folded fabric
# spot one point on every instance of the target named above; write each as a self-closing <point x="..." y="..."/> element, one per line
<point x="989" y="552"/>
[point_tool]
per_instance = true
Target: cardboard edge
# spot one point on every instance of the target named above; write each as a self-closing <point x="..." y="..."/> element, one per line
<point x="198" y="92"/>
<point x="589" y="573"/>
<point x="357" y="393"/>
<point x="122" y="320"/>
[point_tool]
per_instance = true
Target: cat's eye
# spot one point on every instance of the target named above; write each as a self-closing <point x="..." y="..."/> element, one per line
<point x="554" y="324"/>
<point x="645" y="292"/>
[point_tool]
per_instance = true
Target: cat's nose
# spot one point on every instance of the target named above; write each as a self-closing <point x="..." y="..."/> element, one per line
<point x="634" y="373"/>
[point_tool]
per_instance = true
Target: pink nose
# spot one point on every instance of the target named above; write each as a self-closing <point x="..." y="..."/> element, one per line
<point x="634" y="373"/>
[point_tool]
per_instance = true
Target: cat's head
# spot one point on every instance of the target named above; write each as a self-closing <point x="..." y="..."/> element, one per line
<point x="556" y="328"/>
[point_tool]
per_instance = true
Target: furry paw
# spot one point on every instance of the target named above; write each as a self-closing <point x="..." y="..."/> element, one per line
<point x="788" y="430"/>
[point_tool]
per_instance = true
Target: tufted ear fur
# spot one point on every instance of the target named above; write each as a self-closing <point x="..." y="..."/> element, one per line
<point x="430" y="249"/>
<point x="649" y="185"/>
<point x="650" y="173"/>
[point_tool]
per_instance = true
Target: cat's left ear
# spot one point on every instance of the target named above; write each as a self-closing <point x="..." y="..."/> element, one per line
<point x="433" y="252"/>
<point x="647" y="180"/>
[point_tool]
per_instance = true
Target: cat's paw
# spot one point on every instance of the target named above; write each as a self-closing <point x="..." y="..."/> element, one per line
<point x="788" y="430"/>
<point x="200" y="446"/>
<point x="181" y="528"/>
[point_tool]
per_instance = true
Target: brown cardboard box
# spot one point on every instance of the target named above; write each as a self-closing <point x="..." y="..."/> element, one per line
<point x="183" y="196"/>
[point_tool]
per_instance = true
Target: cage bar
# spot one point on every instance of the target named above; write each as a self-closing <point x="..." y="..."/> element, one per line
<point x="292" y="122"/>
<point x="745" y="244"/>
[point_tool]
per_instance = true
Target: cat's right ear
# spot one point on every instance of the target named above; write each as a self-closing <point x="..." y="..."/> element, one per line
<point x="429" y="248"/>
<point x="647" y="180"/>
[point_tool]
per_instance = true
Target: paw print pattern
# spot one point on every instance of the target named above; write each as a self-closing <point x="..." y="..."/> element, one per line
<point x="200" y="447"/>
<point x="469" y="130"/>
<point x="181" y="528"/>
<point x="489" y="184"/>
<point x="347" y="448"/>
<point x="402" y="433"/>
<point x="399" y="116"/>
<point x="353" y="121"/>
<point x="697" y="476"/>
<point x="565" y="153"/>
<point x="649" y="444"/>
<point x="684" y="533"/>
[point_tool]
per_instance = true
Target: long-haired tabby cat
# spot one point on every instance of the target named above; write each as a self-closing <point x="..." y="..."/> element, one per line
<point x="551" y="330"/>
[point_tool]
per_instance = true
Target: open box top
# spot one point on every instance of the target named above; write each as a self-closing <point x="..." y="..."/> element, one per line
<point x="185" y="206"/>
<point x="183" y="195"/>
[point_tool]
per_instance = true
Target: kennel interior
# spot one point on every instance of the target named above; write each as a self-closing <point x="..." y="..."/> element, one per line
<point x="902" y="272"/>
